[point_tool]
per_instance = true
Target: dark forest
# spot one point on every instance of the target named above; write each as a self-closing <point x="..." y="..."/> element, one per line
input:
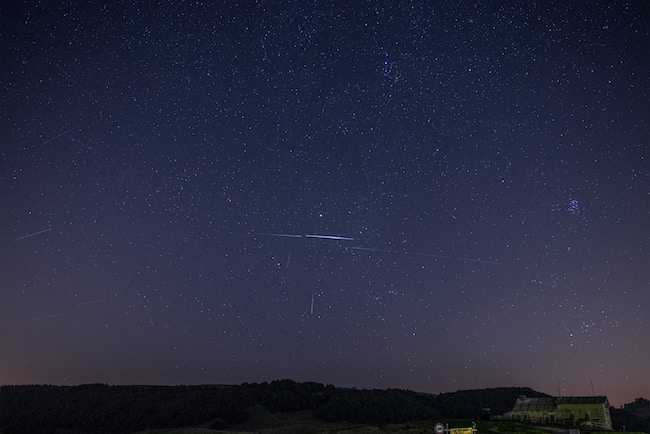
<point x="104" y="409"/>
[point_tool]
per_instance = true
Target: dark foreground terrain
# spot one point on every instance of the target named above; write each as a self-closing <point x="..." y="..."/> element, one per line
<point x="279" y="406"/>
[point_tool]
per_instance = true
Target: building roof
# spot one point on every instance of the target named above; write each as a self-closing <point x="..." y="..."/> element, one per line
<point x="524" y="403"/>
<point x="581" y="400"/>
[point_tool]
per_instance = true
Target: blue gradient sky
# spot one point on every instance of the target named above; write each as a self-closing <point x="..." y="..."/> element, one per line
<point x="148" y="146"/>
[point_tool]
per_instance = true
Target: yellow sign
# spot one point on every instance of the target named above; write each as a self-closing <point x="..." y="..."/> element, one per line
<point x="461" y="431"/>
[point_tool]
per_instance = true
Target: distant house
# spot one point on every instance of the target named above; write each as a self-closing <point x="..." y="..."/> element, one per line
<point x="590" y="411"/>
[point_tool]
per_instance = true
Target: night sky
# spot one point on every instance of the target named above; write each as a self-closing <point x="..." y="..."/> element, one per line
<point x="432" y="195"/>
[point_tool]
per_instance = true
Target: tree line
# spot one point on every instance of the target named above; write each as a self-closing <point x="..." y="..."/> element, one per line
<point x="104" y="409"/>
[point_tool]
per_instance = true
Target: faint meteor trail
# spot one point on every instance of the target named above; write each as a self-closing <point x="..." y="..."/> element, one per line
<point x="280" y="235"/>
<point x="317" y="236"/>
<point x="480" y="261"/>
<point x="56" y="315"/>
<point x="84" y="145"/>
<point x="58" y="135"/>
<point x="25" y="321"/>
<point x="329" y="237"/>
<point x="428" y="255"/>
<point x="378" y="250"/>
<point x="33" y="234"/>
<point x="85" y="303"/>
<point x="399" y="252"/>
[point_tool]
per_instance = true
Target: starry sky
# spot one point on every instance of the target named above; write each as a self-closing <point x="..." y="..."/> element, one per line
<point x="432" y="195"/>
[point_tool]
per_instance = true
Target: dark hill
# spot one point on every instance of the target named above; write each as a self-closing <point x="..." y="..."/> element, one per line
<point x="634" y="416"/>
<point x="469" y="403"/>
<point x="103" y="409"/>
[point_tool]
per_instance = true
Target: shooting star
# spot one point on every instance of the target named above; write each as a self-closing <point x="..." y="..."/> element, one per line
<point x="480" y="261"/>
<point x="33" y="234"/>
<point x="329" y="237"/>
<point x="428" y="255"/>
<point x="399" y="252"/>
<point x="372" y="249"/>
<point x="56" y="315"/>
<point x="84" y="145"/>
<point x="317" y="236"/>
<point x="85" y="303"/>
<point x="280" y="235"/>
<point x="51" y="139"/>
<point x="311" y="310"/>
<point x="25" y="321"/>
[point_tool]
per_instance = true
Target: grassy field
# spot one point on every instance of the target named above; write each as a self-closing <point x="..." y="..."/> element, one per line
<point x="420" y="427"/>
<point x="263" y="422"/>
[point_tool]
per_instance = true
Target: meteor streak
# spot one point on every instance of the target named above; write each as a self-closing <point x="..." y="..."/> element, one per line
<point x="480" y="261"/>
<point x="318" y="236"/>
<point x="281" y="235"/>
<point x="373" y="249"/>
<point x="311" y="309"/>
<point x="329" y="237"/>
<point x="85" y="303"/>
<point x="58" y="135"/>
<point x="428" y="255"/>
<point x="25" y="321"/>
<point x="398" y="252"/>
<point x="33" y="234"/>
